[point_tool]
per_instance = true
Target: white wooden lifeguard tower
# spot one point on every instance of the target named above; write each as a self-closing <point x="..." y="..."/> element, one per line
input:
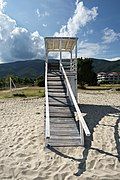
<point x="64" y="123"/>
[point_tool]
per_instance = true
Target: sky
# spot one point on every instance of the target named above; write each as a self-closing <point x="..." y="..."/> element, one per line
<point x="25" y="23"/>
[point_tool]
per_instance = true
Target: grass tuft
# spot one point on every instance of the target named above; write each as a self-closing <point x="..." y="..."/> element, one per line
<point x="23" y="93"/>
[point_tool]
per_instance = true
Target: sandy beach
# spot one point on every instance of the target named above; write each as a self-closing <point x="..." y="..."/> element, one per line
<point x="23" y="155"/>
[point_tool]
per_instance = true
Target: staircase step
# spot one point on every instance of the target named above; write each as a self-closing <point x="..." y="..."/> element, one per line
<point x="57" y="87"/>
<point x="65" y="143"/>
<point x="59" y="104"/>
<point x="54" y="78"/>
<point x="57" y="94"/>
<point x="56" y="90"/>
<point x="63" y="132"/>
<point x="62" y="120"/>
<point x="67" y="125"/>
<point x="55" y="74"/>
<point x="64" y="129"/>
<point x="52" y="98"/>
<point x="59" y="115"/>
<point x="60" y="109"/>
<point x="56" y="83"/>
<point x="64" y="137"/>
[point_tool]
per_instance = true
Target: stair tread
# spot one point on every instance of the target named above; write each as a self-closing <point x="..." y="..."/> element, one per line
<point x="64" y="137"/>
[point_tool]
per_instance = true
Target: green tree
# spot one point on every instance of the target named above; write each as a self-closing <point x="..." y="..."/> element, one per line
<point x="2" y="83"/>
<point x="27" y="81"/>
<point x="40" y="81"/>
<point x="86" y="74"/>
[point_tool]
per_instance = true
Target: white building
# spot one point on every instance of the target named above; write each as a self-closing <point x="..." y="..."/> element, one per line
<point x="113" y="77"/>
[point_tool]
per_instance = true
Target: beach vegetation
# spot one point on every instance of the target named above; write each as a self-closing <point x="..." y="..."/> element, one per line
<point x="23" y="92"/>
<point x="85" y="72"/>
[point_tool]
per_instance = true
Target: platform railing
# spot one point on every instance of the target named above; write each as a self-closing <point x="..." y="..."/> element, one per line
<point x="79" y="114"/>
<point x="47" y="133"/>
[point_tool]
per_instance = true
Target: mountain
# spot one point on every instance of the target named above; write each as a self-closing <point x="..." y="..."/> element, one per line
<point x="34" y="68"/>
<point x="101" y="65"/>
<point x="29" y="68"/>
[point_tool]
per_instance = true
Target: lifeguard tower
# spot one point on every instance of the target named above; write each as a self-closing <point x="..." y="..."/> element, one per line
<point x="64" y="123"/>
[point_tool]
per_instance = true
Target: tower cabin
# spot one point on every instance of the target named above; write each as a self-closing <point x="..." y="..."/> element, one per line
<point x="64" y="123"/>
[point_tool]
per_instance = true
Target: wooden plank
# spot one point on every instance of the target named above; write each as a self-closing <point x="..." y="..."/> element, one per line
<point x="63" y="133"/>
<point x="59" y="104"/>
<point x="56" y="144"/>
<point x="60" y="110"/>
<point x="64" y="143"/>
<point x="53" y="79"/>
<point x="61" y="126"/>
<point x="68" y="129"/>
<point x="60" y="90"/>
<point x="58" y="100"/>
<point x="61" y="121"/>
<point x="59" y="114"/>
<point x="57" y="94"/>
<point x="64" y="138"/>
<point x="56" y="83"/>
<point x="56" y="86"/>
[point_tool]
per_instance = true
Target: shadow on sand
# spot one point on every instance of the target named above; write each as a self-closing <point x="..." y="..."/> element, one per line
<point x="94" y="114"/>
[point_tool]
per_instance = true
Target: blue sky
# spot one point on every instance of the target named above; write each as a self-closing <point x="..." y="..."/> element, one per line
<point x="25" y="23"/>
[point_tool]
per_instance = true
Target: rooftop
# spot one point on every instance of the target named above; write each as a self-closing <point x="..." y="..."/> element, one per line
<point x="65" y="44"/>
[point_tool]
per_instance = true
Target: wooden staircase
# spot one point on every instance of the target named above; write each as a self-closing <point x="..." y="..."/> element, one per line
<point x="64" y="129"/>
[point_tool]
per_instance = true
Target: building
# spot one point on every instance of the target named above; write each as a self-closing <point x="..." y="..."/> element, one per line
<point x="112" y="77"/>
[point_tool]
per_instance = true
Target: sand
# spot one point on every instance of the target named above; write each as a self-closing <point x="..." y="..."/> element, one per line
<point x="23" y="155"/>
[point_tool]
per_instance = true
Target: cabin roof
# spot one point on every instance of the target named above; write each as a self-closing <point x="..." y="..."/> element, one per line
<point x="65" y="44"/>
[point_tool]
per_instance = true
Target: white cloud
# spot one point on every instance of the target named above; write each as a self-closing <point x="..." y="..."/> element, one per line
<point x="90" y="31"/>
<point x="17" y="42"/>
<point x="81" y="17"/>
<point x="87" y="49"/>
<point x="38" y="44"/>
<point x="110" y="36"/>
<point x="2" y="4"/>
<point x="38" y="13"/>
<point x="77" y="2"/>
<point x="44" y="25"/>
<point x="46" y="13"/>
<point x="41" y="14"/>
<point x="113" y="59"/>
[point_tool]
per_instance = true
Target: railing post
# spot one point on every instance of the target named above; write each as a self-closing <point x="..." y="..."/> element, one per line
<point x="60" y="53"/>
<point x="76" y="68"/>
<point x="71" y="61"/>
<point x="47" y="102"/>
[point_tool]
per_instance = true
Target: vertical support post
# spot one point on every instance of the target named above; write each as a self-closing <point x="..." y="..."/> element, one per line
<point x="46" y="56"/>
<point x="82" y="134"/>
<point x="46" y="96"/>
<point x="76" y="56"/>
<point x="71" y="61"/>
<point x="76" y="67"/>
<point x="10" y="86"/>
<point x="60" y="52"/>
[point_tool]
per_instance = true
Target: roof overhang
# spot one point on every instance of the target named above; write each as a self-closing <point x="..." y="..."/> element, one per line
<point x="63" y="44"/>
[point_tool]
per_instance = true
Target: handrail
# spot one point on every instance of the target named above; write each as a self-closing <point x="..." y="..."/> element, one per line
<point x="47" y="104"/>
<point x="84" y="125"/>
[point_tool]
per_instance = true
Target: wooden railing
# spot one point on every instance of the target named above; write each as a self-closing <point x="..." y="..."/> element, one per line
<point x="47" y="133"/>
<point x="79" y="114"/>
